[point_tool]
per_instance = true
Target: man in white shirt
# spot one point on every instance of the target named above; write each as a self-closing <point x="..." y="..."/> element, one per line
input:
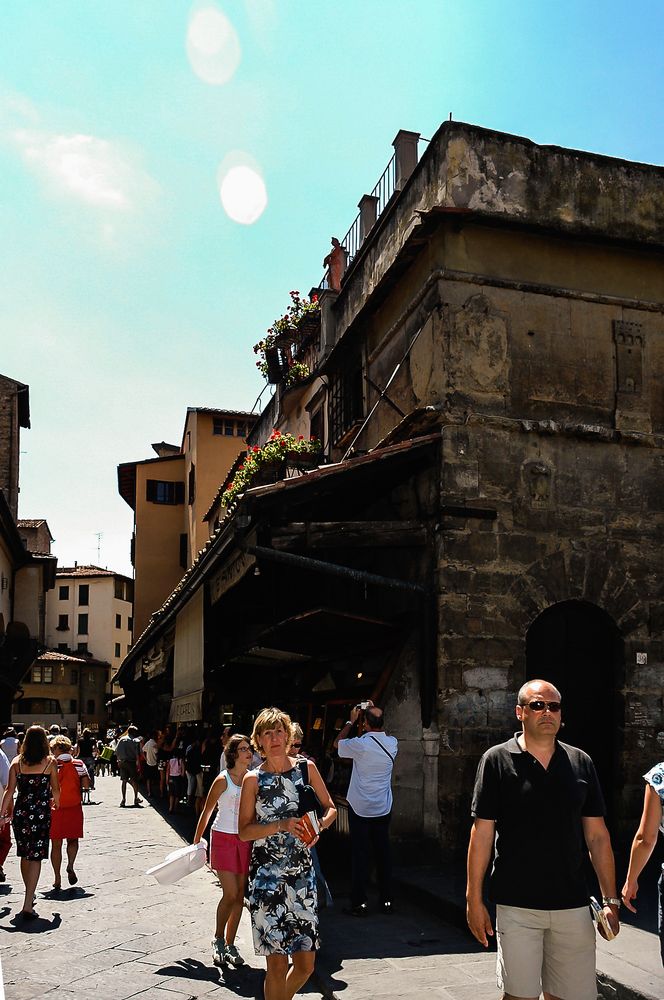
<point x="9" y="743"/>
<point x="369" y="802"/>
<point x="5" y="835"/>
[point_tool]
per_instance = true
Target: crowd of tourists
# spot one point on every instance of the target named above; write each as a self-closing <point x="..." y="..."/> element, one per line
<point x="268" y="804"/>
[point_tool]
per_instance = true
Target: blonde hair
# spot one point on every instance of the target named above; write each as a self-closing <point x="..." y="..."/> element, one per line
<point x="61" y="744"/>
<point x="297" y="732"/>
<point x="271" y="718"/>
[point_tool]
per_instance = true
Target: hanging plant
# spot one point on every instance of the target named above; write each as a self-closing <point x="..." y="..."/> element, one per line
<point x="285" y="329"/>
<point x="280" y="448"/>
<point x="297" y="372"/>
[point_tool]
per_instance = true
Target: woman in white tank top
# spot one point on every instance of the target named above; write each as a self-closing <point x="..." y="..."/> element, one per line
<point x="229" y="856"/>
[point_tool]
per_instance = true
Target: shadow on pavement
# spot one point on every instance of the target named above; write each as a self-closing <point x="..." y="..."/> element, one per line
<point x="244" y="982"/>
<point x="69" y="894"/>
<point x="36" y="926"/>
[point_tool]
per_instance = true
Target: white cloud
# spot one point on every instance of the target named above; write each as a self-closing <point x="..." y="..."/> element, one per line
<point x="92" y="170"/>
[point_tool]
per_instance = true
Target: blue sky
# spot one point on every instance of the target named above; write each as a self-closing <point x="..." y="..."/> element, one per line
<point x="127" y="293"/>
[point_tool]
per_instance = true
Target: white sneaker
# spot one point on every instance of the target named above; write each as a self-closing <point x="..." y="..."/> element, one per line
<point x="218" y="951"/>
<point x="233" y="956"/>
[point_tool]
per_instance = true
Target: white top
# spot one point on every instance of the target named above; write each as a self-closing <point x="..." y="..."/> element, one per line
<point x="228" y="806"/>
<point x="150" y="750"/>
<point x="10" y="747"/>
<point x="370" y="791"/>
<point x="4" y="770"/>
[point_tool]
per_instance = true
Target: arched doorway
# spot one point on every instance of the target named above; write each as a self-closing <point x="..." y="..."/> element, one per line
<point x="578" y="647"/>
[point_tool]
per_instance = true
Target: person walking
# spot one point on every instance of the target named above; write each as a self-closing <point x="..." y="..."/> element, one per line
<point x="151" y="755"/>
<point x="127" y="751"/>
<point x="229" y="856"/>
<point x="9" y="743"/>
<point x="645" y="839"/>
<point x="369" y="796"/>
<point x="85" y="753"/>
<point x="5" y="835"/>
<point x="67" y="819"/>
<point x="33" y="775"/>
<point x="282" y="882"/>
<point x="540" y="801"/>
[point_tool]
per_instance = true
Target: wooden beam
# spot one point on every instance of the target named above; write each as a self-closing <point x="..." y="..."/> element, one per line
<point x="366" y="534"/>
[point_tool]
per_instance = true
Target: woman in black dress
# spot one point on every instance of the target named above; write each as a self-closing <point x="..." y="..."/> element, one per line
<point x="33" y="774"/>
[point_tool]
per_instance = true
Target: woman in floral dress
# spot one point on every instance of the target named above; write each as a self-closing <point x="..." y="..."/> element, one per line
<point x="34" y="774"/>
<point x="282" y="882"/>
<point x="652" y="823"/>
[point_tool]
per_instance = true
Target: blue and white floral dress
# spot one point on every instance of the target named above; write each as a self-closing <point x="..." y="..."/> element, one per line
<point x="282" y="882"/>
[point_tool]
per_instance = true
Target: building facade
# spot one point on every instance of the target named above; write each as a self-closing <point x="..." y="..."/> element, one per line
<point x="170" y="495"/>
<point x="89" y="613"/>
<point x="66" y="691"/>
<point x="487" y="380"/>
<point x="25" y="576"/>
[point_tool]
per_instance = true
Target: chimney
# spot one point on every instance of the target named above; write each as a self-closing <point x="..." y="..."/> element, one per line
<point x="405" y="151"/>
<point x="368" y="206"/>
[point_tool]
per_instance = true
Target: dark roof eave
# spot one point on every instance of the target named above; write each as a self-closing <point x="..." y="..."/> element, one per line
<point x="227" y="536"/>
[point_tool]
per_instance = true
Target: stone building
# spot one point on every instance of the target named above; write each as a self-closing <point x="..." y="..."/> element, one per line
<point x="489" y="380"/>
<point x="25" y="575"/>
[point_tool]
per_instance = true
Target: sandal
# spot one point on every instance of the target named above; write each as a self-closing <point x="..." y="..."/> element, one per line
<point x="72" y="877"/>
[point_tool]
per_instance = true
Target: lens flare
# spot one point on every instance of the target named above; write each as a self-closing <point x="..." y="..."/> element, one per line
<point x="213" y="47"/>
<point x="242" y="189"/>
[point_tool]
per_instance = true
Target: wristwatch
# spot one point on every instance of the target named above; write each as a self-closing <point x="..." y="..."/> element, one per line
<point x="611" y="901"/>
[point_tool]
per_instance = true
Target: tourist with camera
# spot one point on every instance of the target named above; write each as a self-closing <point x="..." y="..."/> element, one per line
<point x="369" y="796"/>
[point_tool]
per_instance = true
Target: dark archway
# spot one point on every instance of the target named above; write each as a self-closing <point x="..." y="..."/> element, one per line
<point x="579" y="648"/>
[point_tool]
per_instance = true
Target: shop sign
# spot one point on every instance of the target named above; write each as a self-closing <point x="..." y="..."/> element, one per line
<point x="230" y="574"/>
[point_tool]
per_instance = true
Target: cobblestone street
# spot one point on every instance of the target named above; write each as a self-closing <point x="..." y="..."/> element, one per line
<point x="119" y="934"/>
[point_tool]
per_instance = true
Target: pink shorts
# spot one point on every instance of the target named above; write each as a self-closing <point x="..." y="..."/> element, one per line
<point x="229" y="854"/>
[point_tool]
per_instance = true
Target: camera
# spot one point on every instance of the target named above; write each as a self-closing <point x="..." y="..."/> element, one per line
<point x="363" y="706"/>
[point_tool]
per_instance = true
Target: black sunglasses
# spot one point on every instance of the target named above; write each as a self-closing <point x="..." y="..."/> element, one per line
<point x="539" y="706"/>
<point x="296" y="744"/>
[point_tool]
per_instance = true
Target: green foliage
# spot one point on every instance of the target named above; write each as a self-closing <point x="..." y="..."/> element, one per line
<point x="277" y="449"/>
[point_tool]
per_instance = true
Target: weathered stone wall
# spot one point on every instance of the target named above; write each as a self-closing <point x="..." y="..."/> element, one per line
<point x="580" y="516"/>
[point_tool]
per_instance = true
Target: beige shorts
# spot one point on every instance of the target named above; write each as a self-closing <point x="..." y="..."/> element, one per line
<point x="546" y="950"/>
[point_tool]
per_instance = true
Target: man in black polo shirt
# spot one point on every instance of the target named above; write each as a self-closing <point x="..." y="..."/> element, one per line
<point x="541" y="802"/>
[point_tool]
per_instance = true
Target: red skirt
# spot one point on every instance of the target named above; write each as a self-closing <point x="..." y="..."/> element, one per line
<point x="67" y="823"/>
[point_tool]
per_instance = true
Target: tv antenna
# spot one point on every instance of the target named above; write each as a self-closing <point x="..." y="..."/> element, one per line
<point x="99" y="535"/>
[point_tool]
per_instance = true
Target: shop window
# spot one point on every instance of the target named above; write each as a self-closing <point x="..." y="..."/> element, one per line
<point x="63" y="592"/>
<point x="84" y="594"/>
<point x="158" y="491"/>
<point x="63" y="623"/>
<point x="82" y="624"/>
